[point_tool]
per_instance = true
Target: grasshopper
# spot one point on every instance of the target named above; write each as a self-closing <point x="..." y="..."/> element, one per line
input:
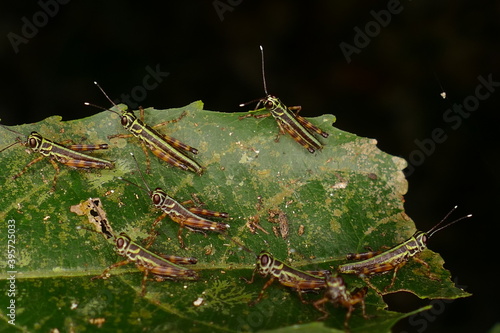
<point x="288" y="276"/>
<point x="394" y="258"/>
<point x="337" y="293"/>
<point x="190" y="218"/>
<point x="68" y="155"/>
<point x="161" y="266"/>
<point x="299" y="128"/>
<point x="164" y="147"/>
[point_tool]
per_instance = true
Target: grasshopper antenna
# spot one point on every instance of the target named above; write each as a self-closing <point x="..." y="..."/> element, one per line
<point x="100" y="107"/>
<point x="18" y="140"/>
<point x="263" y="72"/>
<point x="250" y="102"/>
<point x="436" y="228"/>
<point x="11" y="130"/>
<point x="104" y="93"/>
<point x="5" y="148"/>
<point x="241" y="246"/>
<point x="131" y="183"/>
<point x="79" y="227"/>
<point x="263" y="79"/>
<point x="147" y="189"/>
<point x="140" y="172"/>
<point x="109" y="99"/>
<point x="443" y="92"/>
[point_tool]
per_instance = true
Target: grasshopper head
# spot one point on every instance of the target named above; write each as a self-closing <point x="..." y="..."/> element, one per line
<point x="122" y="243"/>
<point x="421" y="238"/>
<point x="34" y="141"/>
<point x="158" y="196"/>
<point x="264" y="263"/>
<point x="127" y="119"/>
<point x="336" y="288"/>
<point x="271" y="102"/>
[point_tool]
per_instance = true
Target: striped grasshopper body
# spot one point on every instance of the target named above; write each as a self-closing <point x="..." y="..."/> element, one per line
<point x="67" y="155"/>
<point x="337" y="294"/>
<point x="302" y="281"/>
<point x="394" y="258"/>
<point x="164" y="147"/>
<point x="161" y="267"/>
<point x="191" y="218"/>
<point x="299" y="128"/>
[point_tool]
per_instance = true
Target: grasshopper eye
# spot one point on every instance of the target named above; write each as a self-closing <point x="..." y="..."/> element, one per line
<point x="32" y="142"/>
<point x="124" y="121"/>
<point x="156" y="199"/>
<point x="424" y="239"/>
<point x="423" y="245"/>
<point x="264" y="259"/>
<point x="120" y="242"/>
<point x="269" y="105"/>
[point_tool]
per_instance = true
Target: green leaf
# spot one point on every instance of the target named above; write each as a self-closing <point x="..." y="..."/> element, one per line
<point x="495" y="328"/>
<point x="336" y="201"/>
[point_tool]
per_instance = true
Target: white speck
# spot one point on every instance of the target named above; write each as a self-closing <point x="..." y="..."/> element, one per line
<point x="198" y="302"/>
<point x="73" y="306"/>
<point x="340" y="185"/>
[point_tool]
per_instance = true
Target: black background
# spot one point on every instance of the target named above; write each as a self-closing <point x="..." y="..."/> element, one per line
<point x="389" y="91"/>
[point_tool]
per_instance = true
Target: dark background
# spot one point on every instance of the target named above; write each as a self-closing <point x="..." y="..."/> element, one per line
<point x="389" y="91"/>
